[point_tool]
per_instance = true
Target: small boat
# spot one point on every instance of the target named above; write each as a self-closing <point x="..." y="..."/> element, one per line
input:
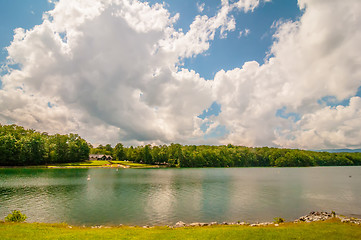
<point x="88" y="178"/>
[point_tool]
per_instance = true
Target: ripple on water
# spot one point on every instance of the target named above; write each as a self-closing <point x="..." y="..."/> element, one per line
<point x="164" y="196"/>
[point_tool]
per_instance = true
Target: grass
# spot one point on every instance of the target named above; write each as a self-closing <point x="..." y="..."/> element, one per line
<point x="135" y="165"/>
<point x="103" y="163"/>
<point x="83" y="164"/>
<point x="333" y="229"/>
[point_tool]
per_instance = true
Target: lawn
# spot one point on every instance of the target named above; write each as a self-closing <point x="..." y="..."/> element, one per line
<point x="134" y="165"/>
<point x="103" y="163"/>
<point x="317" y="230"/>
<point x="94" y="163"/>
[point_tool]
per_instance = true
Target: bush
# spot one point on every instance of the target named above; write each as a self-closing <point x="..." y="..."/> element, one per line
<point x="279" y="220"/>
<point x="16" y="216"/>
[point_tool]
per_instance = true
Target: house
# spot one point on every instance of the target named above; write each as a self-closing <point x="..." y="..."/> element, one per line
<point x="100" y="157"/>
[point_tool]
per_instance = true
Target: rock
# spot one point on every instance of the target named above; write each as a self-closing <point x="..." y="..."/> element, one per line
<point x="266" y="223"/>
<point x="180" y="224"/>
<point x="213" y="223"/>
<point x="203" y="224"/>
<point x="224" y="223"/>
<point x="242" y="223"/>
<point x="276" y="225"/>
<point x="196" y="224"/>
<point x="316" y="216"/>
<point x="146" y="226"/>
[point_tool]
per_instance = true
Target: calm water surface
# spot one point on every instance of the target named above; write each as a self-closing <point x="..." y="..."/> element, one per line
<point x="165" y="196"/>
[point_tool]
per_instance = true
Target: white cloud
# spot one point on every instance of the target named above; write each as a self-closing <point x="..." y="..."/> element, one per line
<point x="328" y="127"/>
<point x="200" y="6"/>
<point x="244" y="32"/>
<point x="247" y="5"/>
<point x="201" y="32"/>
<point x="314" y="57"/>
<point x="106" y="67"/>
<point x="111" y="69"/>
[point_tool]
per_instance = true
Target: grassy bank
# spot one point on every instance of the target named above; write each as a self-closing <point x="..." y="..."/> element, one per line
<point x="102" y="164"/>
<point x="134" y="165"/>
<point x="331" y="229"/>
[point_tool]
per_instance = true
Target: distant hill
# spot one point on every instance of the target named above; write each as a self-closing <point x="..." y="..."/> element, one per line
<point x="339" y="150"/>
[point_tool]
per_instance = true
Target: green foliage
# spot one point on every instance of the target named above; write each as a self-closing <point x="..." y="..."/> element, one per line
<point x="19" y="147"/>
<point x="106" y="150"/>
<point x="176" y="155"/>
<point x="119" y="152"/>
<point x="333" y="213"/>
<point x="278" y="220"/>
<point x="16" y="216"/>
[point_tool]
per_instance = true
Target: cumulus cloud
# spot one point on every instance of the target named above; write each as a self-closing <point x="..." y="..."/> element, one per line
<point x="314" y="57"/>
<point x="328" y="127"/>
<point x="111" y="71"/>
<point x="247" y="5"/>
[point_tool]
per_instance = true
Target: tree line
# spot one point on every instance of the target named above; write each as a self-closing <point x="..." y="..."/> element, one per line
<point x="176" y="155"/>
<point x="19" y="147"/>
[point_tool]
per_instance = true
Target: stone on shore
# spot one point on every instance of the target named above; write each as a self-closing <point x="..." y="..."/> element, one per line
<point x="322" y="216"/>
<point x="180" y="224"/>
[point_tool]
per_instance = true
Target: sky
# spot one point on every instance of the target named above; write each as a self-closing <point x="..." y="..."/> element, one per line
<point x="247" y="72"/>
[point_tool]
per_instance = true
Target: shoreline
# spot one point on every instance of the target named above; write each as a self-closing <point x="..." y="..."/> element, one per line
<point x="309" y="218"/>
<point x="140" y="167"/>
<point x="81" y="166"/>
<point x="331" y="228"/>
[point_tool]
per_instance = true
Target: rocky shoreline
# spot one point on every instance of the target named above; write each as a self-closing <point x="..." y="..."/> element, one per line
<point x="311" y="217"/>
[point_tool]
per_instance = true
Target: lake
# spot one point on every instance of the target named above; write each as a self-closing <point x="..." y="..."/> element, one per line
<point x="166" y="196"/>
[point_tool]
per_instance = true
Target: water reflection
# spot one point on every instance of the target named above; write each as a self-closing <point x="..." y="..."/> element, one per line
<point x="165" y="196"/>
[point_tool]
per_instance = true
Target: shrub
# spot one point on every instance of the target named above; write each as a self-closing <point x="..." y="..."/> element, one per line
<point x="279" y="220"/>
<point x="16" y="216"/>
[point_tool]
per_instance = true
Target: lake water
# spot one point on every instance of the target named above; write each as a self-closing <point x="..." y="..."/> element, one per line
<point x="165" y="196"/>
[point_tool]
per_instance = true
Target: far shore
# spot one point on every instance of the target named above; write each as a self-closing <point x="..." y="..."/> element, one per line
<point x="135" y="166"/>
<point x="90" y="164"/>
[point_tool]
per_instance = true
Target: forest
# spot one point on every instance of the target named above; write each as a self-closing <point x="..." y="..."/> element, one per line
<point x="20" y="147"/>
<point x="176" y="155"/>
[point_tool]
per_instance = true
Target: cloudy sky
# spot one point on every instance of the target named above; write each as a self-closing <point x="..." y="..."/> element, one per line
<point x="246" y="72"/>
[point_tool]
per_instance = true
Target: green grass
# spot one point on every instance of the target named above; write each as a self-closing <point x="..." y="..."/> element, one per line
<point x="102" y="163"/>
<point x="319" y="230"/>
<point x="83" y="164"/>
<point x="135" y="165"/>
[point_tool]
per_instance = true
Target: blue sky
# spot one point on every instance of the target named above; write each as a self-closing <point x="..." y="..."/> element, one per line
<point x="19" y="13"/>
<point x="223" y="54"/>
<point x="103" y="74"/>
<point x="233" y="51"/>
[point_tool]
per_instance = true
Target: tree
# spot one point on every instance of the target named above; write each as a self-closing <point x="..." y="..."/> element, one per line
<point x="147" y="157"/>
<point x="19" y="146"/>
<point x="119" y="152"/>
